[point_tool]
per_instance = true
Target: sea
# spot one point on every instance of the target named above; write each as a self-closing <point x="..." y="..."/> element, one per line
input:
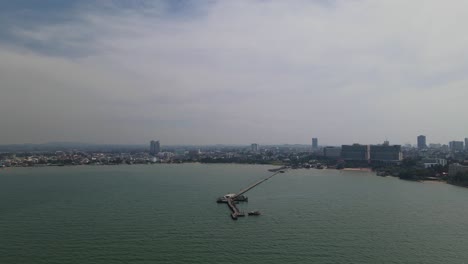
<point x="168" y="214"/>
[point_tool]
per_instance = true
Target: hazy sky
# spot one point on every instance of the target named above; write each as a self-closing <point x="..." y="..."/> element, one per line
<point x="234" y="72"/>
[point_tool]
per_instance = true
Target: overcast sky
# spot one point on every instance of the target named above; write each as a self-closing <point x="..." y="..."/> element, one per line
<point x="233" y="72"/>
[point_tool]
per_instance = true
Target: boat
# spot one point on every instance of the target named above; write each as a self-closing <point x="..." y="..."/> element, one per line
<point x="254" y="213"/>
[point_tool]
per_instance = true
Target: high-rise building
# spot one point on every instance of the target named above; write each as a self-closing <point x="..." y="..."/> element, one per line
<point x="456" y="146"/>
<point x="332" y="152"/>
<point x="314" y="143"/>
<point x="466" y="143"/>
<point x="155" y="147"/>
<point x="422" y="142"/>
<point x="385" y="153"/>
<point x="254" y="147"/>
<point x="355" y="152"/>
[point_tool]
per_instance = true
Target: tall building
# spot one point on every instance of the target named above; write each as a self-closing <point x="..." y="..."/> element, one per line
<point x="332" y="152"/>
<point x="385" y="153"/>
<point x="155" y="147"/>
<point x="422" y="142"/>
<point x="314" y="143"/>
<point x="355" y="152"/>
<point x="466" y="143"/>
<point x="254" y="147"/>
<point x="456" y="146"/>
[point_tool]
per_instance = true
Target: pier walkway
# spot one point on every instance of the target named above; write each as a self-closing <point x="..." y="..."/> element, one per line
<point x="231" y="199"/>
<point x="235" y="211"/>
<point x="253" y="185"/>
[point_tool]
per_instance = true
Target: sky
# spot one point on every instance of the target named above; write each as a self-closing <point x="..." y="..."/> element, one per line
<point x="233" y="72"/>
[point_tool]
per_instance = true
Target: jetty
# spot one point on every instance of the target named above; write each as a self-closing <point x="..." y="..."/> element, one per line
<point x="235" y="211"/>
<point x="232" y="198"/>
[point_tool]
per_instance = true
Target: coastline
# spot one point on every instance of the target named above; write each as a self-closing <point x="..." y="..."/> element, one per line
<point x="435" y="181"/>
<point x="357" y="169"/>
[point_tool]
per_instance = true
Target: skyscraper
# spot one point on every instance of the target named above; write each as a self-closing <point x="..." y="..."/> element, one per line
<point x="422" y="142"/>
<point x="155" y="148"/>
<point x="466" y="143"/>
<point x="314" y="143"/>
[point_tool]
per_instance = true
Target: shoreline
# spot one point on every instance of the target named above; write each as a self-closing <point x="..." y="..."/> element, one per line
<point x="435" y="181"/>
<point x="357" y="169"/>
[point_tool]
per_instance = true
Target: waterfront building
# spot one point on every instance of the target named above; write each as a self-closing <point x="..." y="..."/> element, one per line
<point x="455" y="146"/>
<point x="355" y="152"/>
<point x="422" y="142"/>
<point x="332" y="152"/>
<point x="254" y="147"/>
<point x="155" y="147"/>
<point x="456" y="168"/>
<point x="385" y="153"/>
<point x="165" y="156"/>
<point x="314" y="143"/>
<point x="429" y="163"/>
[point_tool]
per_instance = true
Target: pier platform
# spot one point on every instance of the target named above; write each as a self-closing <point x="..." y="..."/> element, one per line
<point x="232" y="198"/>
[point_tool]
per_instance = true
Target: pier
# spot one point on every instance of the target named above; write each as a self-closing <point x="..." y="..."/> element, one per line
<point x="233" y="198"/>
<point x="235" y="211"/>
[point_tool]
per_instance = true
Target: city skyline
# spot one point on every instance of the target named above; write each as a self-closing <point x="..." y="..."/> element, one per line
<point x="156" y="146"/>
<point x="232" y="72"/>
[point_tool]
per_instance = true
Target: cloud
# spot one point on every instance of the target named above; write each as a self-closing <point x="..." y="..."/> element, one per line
<point x="238" y="72"/>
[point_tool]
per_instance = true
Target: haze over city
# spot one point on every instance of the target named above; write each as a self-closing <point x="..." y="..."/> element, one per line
<point x="233" y="72"/>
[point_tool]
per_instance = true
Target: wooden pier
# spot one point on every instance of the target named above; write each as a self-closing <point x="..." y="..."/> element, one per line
<point x="230" y="200"/>
<point x="235" y="211"/>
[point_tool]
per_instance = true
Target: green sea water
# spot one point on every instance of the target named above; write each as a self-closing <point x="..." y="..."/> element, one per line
<point x="168" y="214"/>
